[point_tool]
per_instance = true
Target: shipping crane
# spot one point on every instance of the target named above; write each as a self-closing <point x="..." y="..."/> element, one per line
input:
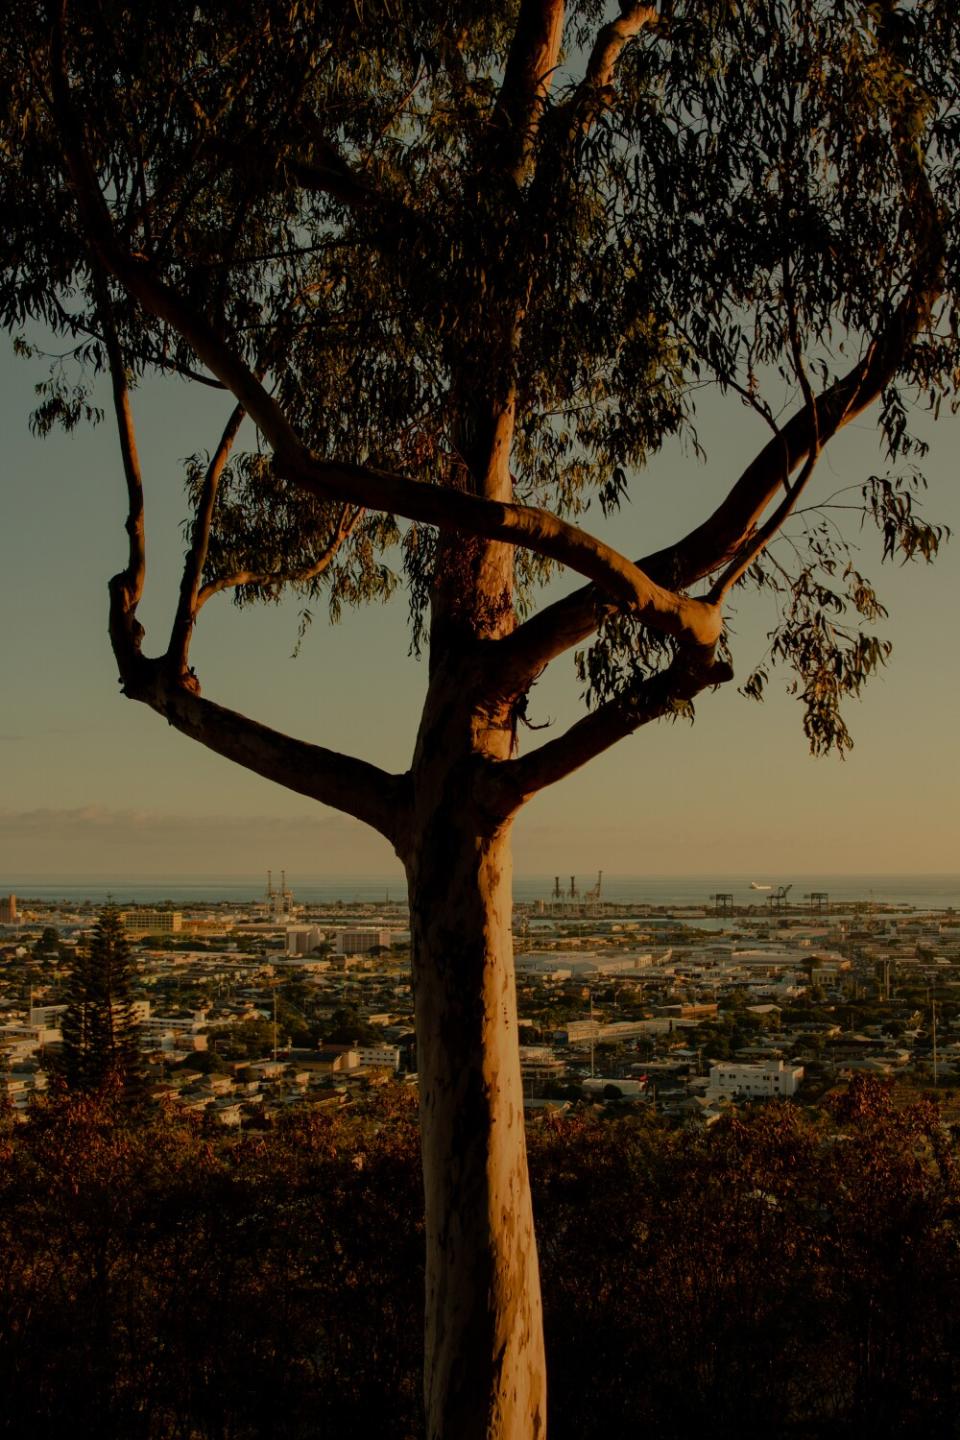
<point x="778" y="899"/>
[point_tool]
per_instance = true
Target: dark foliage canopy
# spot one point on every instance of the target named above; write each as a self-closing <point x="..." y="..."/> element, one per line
<point x="782" y="1272"/>
<point x="394" y="232"/>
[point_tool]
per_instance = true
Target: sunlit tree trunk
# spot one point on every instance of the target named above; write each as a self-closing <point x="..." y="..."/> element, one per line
<point x="484" y="1373"/>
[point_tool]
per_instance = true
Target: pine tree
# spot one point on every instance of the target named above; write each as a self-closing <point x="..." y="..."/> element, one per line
<point x="100" y="1033"/>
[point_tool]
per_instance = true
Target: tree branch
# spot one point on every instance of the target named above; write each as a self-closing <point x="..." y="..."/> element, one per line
<point x="126" y="588"/>
<point x="512" y="782"/>
<point x="733" y="532"/>
<point x="622" y="582"/>
<point x="765" y="533"/>
<point x="527" y="78"/>
<point x="196" y="557"/>
<point x="137" y="274"/>
<point x="345" y="524"/>
<point x="341" y="781"/>
<point x="188" y="373"/>
<point x="721" y="537"/>
<point x="539" y="530"/>
<point x="353" y="786"/>
<point x="745" y="557"/>
<point x="595" y="91"/>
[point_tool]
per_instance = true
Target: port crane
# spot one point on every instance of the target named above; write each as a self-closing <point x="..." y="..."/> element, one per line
<point x="778" y="898"/>
<point x="594" y="892"/>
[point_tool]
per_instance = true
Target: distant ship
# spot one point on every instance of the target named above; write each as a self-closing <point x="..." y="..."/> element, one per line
<point x="755" y="886"/>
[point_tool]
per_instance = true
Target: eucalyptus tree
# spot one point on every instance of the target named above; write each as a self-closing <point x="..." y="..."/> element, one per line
<point x="464" y="269"/>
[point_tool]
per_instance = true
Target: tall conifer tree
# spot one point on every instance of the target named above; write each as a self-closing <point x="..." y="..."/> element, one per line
<point x="101" y="1046"/>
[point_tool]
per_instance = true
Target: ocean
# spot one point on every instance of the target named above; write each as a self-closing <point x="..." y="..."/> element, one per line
<point x="922" y="892"/>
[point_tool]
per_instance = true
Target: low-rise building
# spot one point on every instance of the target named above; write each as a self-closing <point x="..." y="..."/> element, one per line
<point x="144" y="921"/>
<point x="538" y="1065"/>
<point x="362" y="940"/>
<point x="303" y="939"/>
<point x="334" y="1059"/>
<point x="387" y="1056"/>
<point x="765" y="1080"/>
<point x="49" y="1017"/>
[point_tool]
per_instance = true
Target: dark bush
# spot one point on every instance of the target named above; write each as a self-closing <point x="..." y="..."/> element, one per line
<point x="777" y="1274"/>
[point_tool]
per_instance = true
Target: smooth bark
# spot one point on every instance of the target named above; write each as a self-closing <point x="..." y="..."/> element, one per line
<point x="484" y="1367"/>
<point x="484" y="1373"/>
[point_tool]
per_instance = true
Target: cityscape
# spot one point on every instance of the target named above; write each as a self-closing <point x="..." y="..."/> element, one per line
<point x="248" y="1009"/>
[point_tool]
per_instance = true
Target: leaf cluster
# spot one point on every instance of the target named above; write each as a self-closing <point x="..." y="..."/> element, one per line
<point x="324" y="186"/>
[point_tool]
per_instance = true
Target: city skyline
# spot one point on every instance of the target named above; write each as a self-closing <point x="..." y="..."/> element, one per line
<point x="98" y="786"/>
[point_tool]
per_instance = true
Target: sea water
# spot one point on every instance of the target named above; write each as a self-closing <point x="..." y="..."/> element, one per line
<point x="921" y="892"/>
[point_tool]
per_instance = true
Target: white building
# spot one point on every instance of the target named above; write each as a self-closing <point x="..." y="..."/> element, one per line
<point x="303" y="939"/>
<point x="588" y="963"/>
<point x="380" y="1056"/>
<point x="20" y="1042"/>
<point x="765" y="1080"/>
<point x="362" y="940"/>
<point x="173" y="1032"/>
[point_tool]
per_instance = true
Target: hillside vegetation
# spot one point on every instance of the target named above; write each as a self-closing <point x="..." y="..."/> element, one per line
<point x="784" y="1273"/>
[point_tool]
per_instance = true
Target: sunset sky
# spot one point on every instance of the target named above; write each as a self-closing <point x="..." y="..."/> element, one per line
<point x="97" y="787"/>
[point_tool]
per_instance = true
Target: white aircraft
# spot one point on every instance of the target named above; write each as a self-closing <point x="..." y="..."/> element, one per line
<point x="755" y="886"/>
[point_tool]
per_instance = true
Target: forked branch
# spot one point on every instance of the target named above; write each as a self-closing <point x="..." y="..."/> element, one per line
<point x="196" y="558"/>
<point x="348" y="784"/>
<point x="622" y="582"/>
<point x="733" y="526"/>
<point x="342" y="781"/>
<point x="595" y="91"/>
<point x="511" y="782"/>
<point x="273" y="579"/>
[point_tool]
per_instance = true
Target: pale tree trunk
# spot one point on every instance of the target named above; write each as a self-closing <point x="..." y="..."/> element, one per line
<point x="484" y="1371"/>
<point x="484" y="1375"/>
<point x="484" y="1365"/>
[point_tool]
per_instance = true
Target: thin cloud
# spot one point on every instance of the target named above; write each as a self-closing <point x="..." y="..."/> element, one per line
<point x="103" y="816"/>
<point x="116" y="843"/>
<point x="47" y="733"/>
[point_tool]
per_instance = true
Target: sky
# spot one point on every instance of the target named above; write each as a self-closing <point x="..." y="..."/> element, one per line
<point x="97" y="787"/>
